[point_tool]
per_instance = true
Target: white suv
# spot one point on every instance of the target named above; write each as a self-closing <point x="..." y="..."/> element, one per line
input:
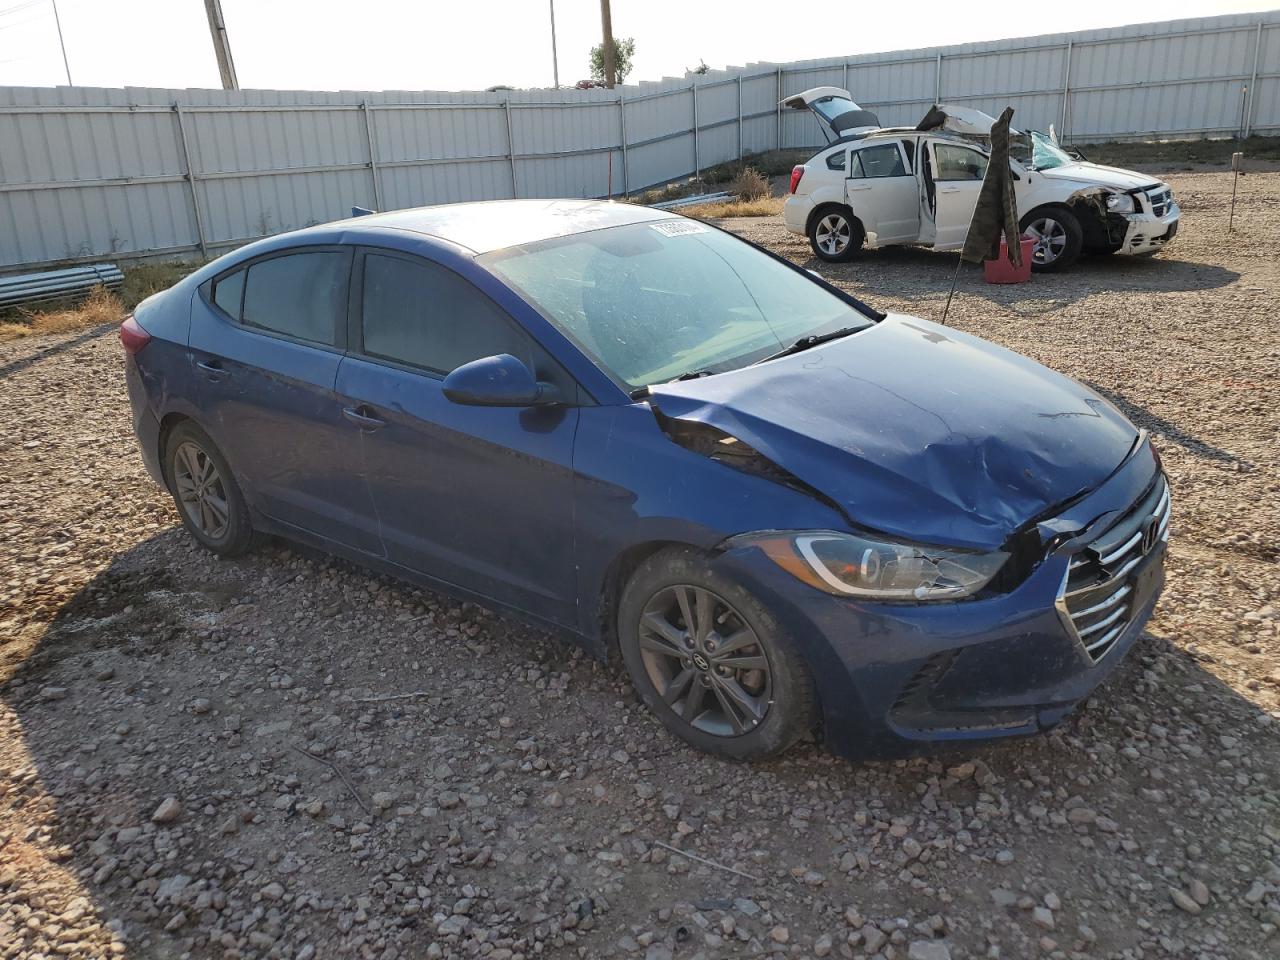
<point x="876" y="187"/>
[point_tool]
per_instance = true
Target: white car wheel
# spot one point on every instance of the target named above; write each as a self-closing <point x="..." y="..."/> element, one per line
<point x="832" y="234"/>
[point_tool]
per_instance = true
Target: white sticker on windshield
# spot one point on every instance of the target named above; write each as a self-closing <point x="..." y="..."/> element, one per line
<point x="678" y="228"/>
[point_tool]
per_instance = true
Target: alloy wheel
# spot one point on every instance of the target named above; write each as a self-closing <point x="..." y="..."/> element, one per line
<point x="1050" y="239"/>
<point x="705" y="661"/>
<point x="833" y="234"/>
<point x="201" y="491"/>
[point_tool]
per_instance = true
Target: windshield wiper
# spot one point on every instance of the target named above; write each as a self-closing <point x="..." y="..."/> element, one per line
<point x="692" y="375"/>
<point x="804" y="343"/>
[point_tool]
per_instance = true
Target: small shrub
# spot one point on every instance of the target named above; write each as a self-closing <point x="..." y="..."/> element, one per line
<point x="750" y="184"/>
<point x="98" y="308"/>
<point x="760" y="207"/>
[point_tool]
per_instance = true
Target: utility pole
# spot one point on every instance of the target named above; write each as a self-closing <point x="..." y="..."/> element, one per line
<point x="221" y="45"/>
<point x="610" y="62"/>
<point x="61" y="42"/>
<point x="555" y="61"/>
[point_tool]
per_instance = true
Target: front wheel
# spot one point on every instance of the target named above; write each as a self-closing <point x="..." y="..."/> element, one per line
<point x="711" y="661"/>
<point x="835" y="234"/>
<point x="1058" y="238"/>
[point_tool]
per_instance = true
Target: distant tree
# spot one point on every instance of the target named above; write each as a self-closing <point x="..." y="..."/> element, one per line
<point x="701" y="68"/>
<point x="623" y="50"/>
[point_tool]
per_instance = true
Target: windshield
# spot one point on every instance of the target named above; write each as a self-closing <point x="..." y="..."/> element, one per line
<point x="1038" y="152"/>
<point x="651" y="301"/>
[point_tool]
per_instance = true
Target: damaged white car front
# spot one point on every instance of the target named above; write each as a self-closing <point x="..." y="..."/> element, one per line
<point x="875" y="187"/>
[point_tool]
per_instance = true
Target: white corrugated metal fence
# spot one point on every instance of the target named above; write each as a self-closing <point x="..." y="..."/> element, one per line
<point x="90" y="173"/>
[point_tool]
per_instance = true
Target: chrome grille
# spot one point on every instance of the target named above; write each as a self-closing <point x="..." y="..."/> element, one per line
<point x="1159" y="198"/>
<point x="1096" y="599"/>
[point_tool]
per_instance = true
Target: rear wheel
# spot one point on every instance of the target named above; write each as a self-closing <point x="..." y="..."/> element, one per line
<point x="711" y="661"/>
<point x="206" y="493"/>
<point x="1058" y="238"/>
<point x="835" y="234"/>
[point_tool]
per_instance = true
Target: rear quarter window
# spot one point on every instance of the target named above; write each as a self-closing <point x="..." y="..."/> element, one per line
<point x="228" y="292"/>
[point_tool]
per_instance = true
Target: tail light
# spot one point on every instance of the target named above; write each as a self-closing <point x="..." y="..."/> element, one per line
<point x="796" y="173"/>
<point x="132" y="336"/>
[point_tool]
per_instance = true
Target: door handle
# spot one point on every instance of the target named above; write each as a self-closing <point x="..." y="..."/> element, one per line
<point x="362" y="416"/>
<point x="948" y="189"/>
<point x="212" y="369"/>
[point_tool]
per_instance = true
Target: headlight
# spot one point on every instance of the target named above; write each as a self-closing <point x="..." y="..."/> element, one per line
<point x="1120" y="203"/>
<point x="851" y="565"/>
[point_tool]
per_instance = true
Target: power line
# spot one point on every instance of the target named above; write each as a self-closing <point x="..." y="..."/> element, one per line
<point x="20" y="6"/>
<point x="61" y="43"/>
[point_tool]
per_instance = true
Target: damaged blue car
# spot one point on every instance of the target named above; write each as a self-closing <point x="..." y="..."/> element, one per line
<point x="786" y="512"/>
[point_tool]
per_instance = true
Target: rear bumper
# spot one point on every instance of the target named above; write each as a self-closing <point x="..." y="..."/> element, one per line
<point x="795" y="213"/>
<point x="146" y="425"/>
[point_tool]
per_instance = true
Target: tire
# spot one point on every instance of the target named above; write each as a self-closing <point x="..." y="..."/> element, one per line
<point x="747" y="701"/>
<point x="206" y="493"/>
<point x="835" y="234"/>
<point x="1059" y="238"/>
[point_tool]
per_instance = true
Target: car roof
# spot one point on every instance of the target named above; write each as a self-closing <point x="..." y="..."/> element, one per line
<point x="482" y="226"/>
<point x="896" y="133"/>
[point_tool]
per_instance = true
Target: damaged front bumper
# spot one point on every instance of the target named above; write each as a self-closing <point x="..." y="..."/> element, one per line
<point x="895" y="679"/>
<point x="1148" y="233"/>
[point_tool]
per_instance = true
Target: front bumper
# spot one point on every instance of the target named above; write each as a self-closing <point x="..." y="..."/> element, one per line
<point x="1147" y="233"/>
<point x="896" y="679"/>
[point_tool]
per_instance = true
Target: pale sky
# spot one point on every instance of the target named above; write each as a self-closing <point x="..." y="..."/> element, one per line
<point x="460" y="45"/>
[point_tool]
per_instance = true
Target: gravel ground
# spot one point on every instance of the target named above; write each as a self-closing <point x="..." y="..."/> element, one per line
<point x="204" y="758"/>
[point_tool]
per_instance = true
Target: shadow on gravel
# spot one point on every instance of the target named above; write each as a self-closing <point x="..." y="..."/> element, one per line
<point x="14" y="366"/>
<point x="511" y="761"/>
<point x="1169" y="430"/>
<point x="930" y="272"/>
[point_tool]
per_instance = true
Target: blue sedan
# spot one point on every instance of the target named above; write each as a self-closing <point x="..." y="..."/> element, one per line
<point x="786" y="512"/>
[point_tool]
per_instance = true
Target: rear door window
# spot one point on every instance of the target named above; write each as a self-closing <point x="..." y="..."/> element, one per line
<point x="884" y="160"/>
<point x="424" y="315"/>
<point x="300" y="295"/>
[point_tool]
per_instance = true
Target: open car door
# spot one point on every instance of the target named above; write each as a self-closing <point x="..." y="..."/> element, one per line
<point x="957" y="170"/>
<point x="881" y="190"/>
<point x="837" y="114"/>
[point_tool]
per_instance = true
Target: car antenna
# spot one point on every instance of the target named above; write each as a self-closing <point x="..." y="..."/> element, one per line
<point x="954" y="277"/>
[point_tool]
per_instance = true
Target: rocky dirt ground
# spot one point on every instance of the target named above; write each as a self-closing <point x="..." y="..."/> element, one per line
<point x="204" y="758"/>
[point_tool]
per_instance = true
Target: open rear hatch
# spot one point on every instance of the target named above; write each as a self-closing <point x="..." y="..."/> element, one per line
<point x="836" y="112"/>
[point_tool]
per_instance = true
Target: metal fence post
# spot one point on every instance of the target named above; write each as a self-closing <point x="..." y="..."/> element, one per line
<point x="937" y="80"/>
<point x="697" y="163"/>
<point x="1066" y="93"/>
<point x="739" y="116"/>
<point x="511" y="150"/>
<point x="779" y="107"/>
<point x="373" y="158"/>
<point x="622" y="125"/>
<point x="191" y="180"/>
<point x="1253" y="82"/>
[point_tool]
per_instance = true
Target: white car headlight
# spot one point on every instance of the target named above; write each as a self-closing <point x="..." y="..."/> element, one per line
<point x="859" y="566"/>
<point x="1120" y="203"/>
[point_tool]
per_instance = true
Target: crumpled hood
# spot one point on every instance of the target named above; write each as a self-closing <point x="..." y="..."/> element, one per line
<point x="917" y="430"/>
<point x="1096" y="173"/>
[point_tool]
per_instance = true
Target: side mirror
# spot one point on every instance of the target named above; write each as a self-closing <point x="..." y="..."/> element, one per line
<point x="501" y="381"/>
